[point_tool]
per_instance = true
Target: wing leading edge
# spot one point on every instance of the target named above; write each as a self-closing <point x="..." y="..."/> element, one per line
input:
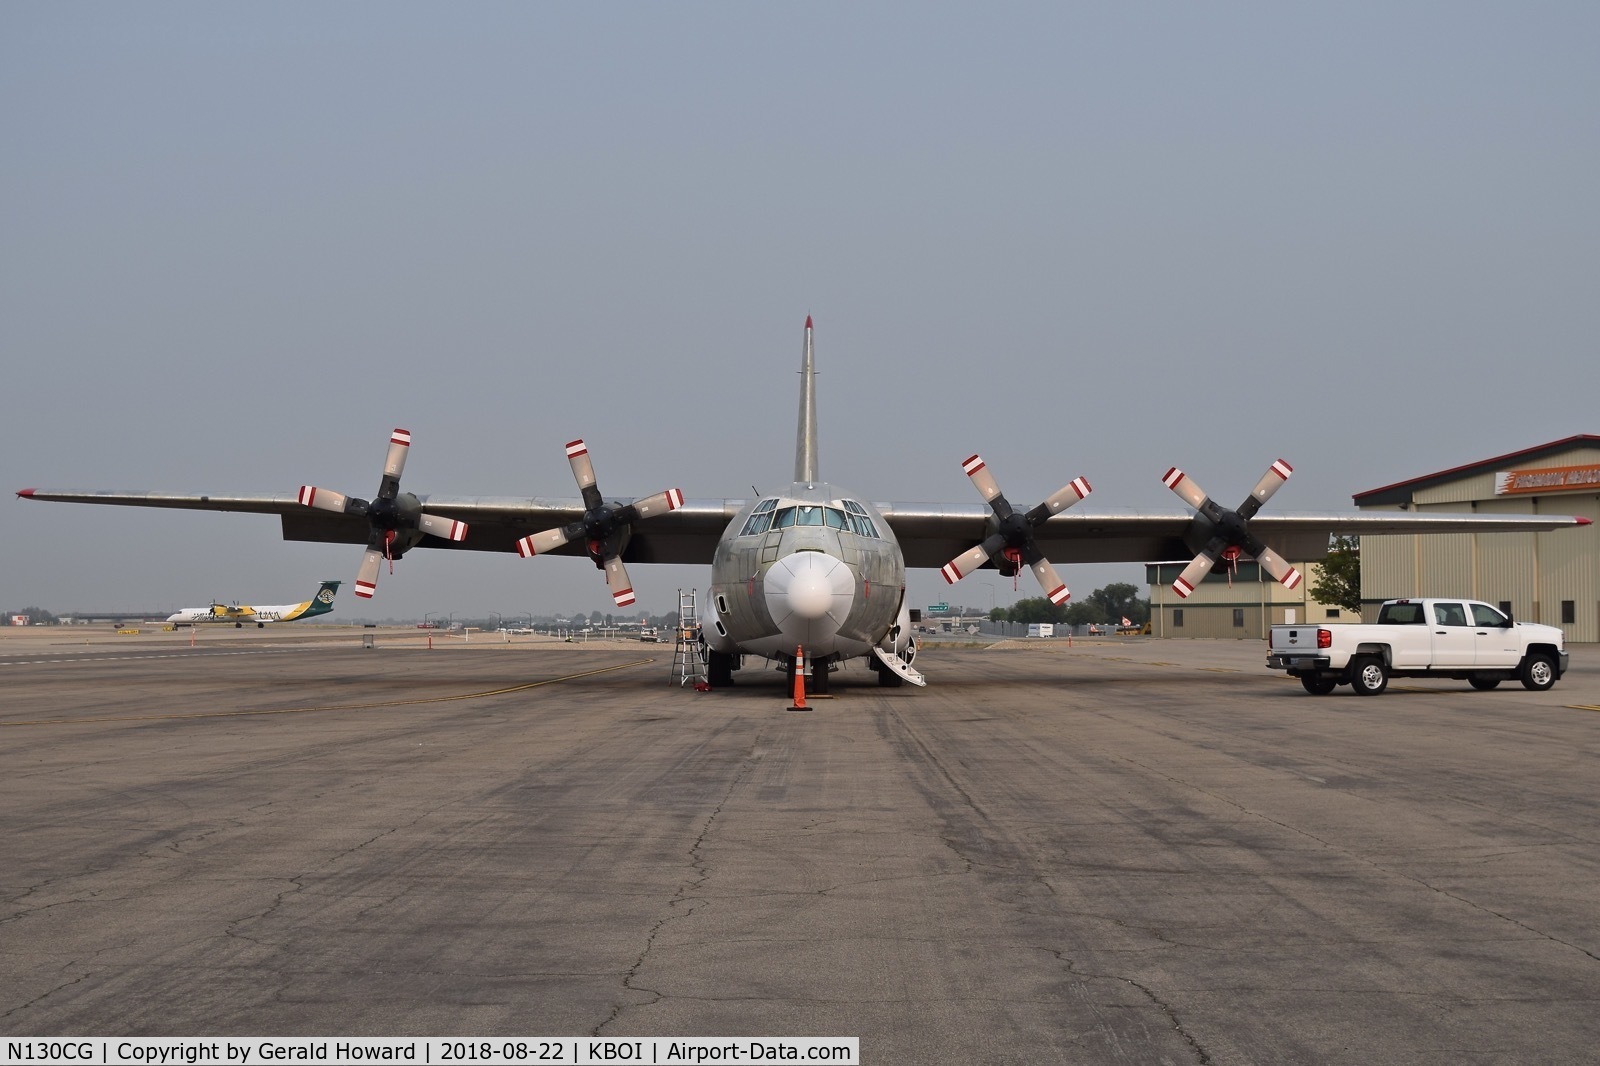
<point x="930" y="534"/>
<point x="686" y="535"/>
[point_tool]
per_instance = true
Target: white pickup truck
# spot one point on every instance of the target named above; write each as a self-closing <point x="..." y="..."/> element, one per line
<point x="1461" y="639"/>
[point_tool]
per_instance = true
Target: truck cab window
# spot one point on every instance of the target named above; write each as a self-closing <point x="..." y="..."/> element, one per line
<point x="1401" y="614"/>
<point x="1450" y="614"/>
<point x="1484" y="615"/>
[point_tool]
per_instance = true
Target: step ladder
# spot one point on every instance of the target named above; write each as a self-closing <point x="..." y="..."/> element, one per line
<point x="688" y="660"/>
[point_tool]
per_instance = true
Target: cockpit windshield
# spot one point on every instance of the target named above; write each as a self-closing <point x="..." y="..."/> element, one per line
<point x="768" y="515"/>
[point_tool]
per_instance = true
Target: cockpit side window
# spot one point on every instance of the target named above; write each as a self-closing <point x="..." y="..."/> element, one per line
<point x="759" y="519"/>
<point x="835" y="518"/>
<point x="859" y="522"/>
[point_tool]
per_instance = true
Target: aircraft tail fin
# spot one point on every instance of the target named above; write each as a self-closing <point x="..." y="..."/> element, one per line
<point x="322" y="602"/>
<point x="805" y="448"/>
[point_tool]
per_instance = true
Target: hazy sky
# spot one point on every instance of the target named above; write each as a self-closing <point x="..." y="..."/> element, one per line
<point x="239" y="243"/>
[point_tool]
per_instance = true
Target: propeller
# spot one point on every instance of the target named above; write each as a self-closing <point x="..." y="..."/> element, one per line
<point x="1227" y="533"/>
<point x="605" y="526"/>
<point x="395" y="521"/>
<point x="1014" y="537"/>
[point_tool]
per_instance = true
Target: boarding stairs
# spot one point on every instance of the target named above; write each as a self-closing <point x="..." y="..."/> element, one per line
<point x="893" y="662"/>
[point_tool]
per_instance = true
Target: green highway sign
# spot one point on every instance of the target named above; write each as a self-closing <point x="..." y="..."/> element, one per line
<point x="938" y="608"/>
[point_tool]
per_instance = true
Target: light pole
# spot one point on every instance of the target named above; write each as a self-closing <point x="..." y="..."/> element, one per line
<point x="425" y="616"/>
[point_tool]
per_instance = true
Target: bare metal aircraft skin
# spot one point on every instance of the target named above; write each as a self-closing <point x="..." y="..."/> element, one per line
<point x="815" y="566"/>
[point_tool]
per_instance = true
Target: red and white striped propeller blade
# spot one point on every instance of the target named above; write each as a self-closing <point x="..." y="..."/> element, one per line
<point x="1069" y="494"/>
<point x="1184" y="486"/>
<point x="1278" y="567"/>
<point x="323" y="499"/>
<point x="660" y="503"/>
<point x="982" y="480"/>
<point x="965" y="563"/>
<point x="367" y="578"/>
<point x="1051" y="582"/>
<point x="1270" y="482"/>
<point x="540" y="543"/>
<point x="1193" y="574"/>
<point x="582" y="465"/>
<point x="447" y="528"/>
<point x="617" y="581"/>
<point x="394" y="463"/>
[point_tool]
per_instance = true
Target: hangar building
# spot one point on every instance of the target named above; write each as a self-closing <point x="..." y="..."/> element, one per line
<point x="1552" y="577"/>
<point x="1241" y="604"/>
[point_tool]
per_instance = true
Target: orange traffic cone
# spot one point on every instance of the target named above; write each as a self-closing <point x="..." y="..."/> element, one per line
<point x="799" y="680"/>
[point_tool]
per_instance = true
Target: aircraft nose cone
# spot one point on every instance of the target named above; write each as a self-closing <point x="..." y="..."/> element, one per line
<point x="810" y="593"/>
<point x="809" y="586"/>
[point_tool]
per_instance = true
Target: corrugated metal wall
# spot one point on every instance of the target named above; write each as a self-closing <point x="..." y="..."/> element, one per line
<point x="1536" y="572"/>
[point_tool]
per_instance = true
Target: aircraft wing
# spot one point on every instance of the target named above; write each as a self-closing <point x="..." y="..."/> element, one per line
<point x="931" y="534"/>
<point x="494" y="523"/>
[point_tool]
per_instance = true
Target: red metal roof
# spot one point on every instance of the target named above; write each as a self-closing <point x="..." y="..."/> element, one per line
<point x="1401" y="491"/>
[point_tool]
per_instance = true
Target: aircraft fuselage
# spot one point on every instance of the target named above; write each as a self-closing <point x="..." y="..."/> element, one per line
<point x="814" y="568"/>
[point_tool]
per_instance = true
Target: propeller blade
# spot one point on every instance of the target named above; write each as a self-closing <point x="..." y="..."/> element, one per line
<point x="1179" y="482"/>
<point x="1074" y="491"/>
<point x="583" y="473"/>
<point x="1051" y="582"/>
<point x="324" y="499"/>
<point x="982" y="480"/>
<point x="1193" y="574"/>
<point x="972" y="558"/>
<point x="367" y="578"/>
<point x="617" y="581"/>
<point x="1278" y="567"/>
<point x="539" y="543"/>
<point x="448" y="528"/>
<point x="395" y="462"/>
<point x="1270" y="482"/>
<point x="660" y="503"/>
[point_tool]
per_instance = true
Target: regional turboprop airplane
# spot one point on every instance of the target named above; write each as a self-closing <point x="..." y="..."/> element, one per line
<point x="815" y="568"/>
<point x="239" y="614"/>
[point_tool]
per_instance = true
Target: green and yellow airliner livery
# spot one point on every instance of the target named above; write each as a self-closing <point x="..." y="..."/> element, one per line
<point x="239" y="614"/>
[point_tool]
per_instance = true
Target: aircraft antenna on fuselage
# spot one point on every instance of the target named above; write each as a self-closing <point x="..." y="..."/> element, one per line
<point x="805" y="447"/>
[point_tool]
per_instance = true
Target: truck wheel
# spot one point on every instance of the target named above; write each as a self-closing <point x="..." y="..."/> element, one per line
<point x="1537" y="672"/>
<point x="1369" y="677"/>
<point x="1483" y="684"/>
<point x="1317" y="685"/>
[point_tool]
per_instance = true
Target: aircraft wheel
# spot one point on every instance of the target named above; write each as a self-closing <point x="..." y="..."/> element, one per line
<point x="819" y="677"/>
<point x="1369" y="677"/>
<point x="1537" y="672"/>
<point x="1317" y="685"/>
<point x="1483" y="684"/>
<point x="719" y="669"/>
<point x="238" y="625"/>
<point x="887" y="678"/>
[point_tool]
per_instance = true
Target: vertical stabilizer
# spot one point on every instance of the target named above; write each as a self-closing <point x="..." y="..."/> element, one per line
<point x="805" y="445"/>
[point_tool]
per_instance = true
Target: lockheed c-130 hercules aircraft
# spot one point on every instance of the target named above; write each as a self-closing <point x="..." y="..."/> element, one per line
<point x="815" y="569"/>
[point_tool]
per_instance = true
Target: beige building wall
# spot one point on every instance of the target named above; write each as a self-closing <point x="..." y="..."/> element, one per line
<point x="1242" y="609"/>
<point x="1539" y="574"/>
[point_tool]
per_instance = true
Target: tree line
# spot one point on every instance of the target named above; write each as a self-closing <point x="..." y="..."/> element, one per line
<point x="1112" y="603"/>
